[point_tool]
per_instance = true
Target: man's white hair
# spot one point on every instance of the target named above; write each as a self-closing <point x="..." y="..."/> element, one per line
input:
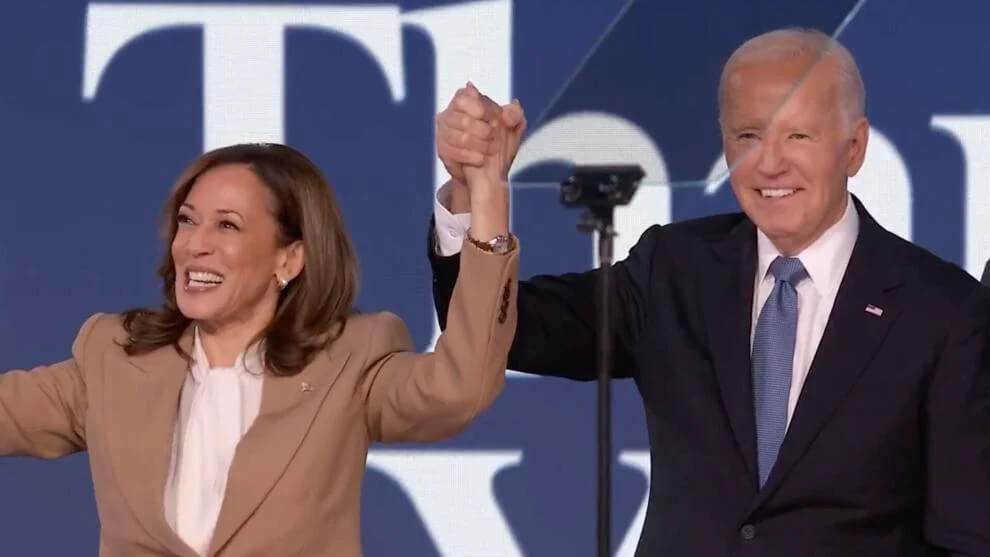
<point x="801" y="43"/>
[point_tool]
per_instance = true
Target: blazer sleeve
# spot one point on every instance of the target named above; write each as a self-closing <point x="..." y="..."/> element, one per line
<point x="43" y="411"/>
<point x="558" y="326"/>
<point x="422" y="397"/>
<point x="957" y="514"/>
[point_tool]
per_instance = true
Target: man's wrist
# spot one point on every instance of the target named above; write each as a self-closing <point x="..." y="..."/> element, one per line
<point x="454" y="197"/>
<point x="449" y="230"/>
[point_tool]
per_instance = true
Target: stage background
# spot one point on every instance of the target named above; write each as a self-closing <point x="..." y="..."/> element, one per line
<point x="102" y="104"/>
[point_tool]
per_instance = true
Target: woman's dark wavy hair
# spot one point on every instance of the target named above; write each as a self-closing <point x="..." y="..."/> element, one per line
<point x="313" y="308"/>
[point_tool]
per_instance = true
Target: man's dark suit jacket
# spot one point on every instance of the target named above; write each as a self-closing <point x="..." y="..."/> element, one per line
<point x="888" y="451"/>
<point x="986" y="274"/>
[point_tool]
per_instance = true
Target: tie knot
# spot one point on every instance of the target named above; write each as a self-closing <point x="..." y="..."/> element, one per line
<point x="788" y="269"/>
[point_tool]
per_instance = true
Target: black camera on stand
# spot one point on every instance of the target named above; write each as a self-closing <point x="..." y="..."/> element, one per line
<point x="600" y="188"/>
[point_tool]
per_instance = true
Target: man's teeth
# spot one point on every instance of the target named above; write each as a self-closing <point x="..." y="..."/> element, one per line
<point x="779" y="192"/>
<point x="203" y="277"/>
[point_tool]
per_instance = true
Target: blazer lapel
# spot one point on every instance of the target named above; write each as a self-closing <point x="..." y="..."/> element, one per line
<point x="728" y="303"/>
<point x="288" y="407"/>
<point x="851" y="339"/>
<point x="141" y="400"/>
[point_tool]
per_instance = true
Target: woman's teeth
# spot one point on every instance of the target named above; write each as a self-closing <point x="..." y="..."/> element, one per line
<point x="203" y="279"/>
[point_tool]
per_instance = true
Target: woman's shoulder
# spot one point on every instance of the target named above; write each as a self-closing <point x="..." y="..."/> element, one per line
<point x="99" y="333"/>
<point x="102" y="328"/>
<point x="373" y="329"/>
<point x="365" y="325"/>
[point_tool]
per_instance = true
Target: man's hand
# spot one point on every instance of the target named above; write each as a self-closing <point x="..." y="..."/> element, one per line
<point x="506" y="135"/>
<point x="470" y="130"/>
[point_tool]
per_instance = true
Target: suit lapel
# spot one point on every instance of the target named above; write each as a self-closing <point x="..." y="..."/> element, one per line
<point x="141" y="400"/>
<point x="728" y="303"/>
<point x="852" y="337"/>
<point x="288" y="407"/>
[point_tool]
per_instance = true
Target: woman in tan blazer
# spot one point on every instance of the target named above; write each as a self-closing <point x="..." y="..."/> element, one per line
<point x="236" y="419"/>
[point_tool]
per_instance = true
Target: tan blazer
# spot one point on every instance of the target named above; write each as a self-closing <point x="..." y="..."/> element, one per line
<point x="295" y="482"/>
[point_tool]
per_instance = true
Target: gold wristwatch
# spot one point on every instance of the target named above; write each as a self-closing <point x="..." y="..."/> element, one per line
<point x="499" y="245"/>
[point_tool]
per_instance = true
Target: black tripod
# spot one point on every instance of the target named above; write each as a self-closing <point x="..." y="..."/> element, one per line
<point x="600" y="189"/>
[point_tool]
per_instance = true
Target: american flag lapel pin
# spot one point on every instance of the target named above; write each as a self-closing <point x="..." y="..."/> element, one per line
<point x="872" y="309"/>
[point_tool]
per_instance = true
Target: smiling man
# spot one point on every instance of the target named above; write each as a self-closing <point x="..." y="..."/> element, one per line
<point x="813" y="384"/>
<point x="794" y="131"/>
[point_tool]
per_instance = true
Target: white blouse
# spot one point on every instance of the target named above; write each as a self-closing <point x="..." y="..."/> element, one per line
<point x="216" y="408"/>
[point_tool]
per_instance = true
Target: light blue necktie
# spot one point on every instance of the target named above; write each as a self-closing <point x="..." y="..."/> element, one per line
<point x="773" y="360"/>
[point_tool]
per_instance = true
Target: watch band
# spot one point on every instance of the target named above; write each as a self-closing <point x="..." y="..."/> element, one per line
<point x="501" y="244"/>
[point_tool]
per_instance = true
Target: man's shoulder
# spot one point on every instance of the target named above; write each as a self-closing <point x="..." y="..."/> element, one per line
<point x="709" y="228"/>
<point x="686" y="234"/>
<point x="684" y="244"/>
<point x="941" y="280"/>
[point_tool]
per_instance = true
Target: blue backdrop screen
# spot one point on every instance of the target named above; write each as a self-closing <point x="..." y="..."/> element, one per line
<point x="102" y="104"/>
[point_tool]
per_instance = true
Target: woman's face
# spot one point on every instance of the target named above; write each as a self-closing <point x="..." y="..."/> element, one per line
<point x="226" y="250"/>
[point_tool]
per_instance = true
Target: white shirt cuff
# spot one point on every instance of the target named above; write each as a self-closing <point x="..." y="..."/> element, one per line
<point x="450" y="230"/>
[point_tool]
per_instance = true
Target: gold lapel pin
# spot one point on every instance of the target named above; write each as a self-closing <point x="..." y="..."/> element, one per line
<point x="305" y="387"/>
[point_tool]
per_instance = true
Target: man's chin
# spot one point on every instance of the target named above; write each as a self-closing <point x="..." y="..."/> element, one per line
<point x="779" y="230"/>
<point x="773" y="224"/>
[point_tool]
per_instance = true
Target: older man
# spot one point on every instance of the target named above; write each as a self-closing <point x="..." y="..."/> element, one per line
<point x="813" y="384"/>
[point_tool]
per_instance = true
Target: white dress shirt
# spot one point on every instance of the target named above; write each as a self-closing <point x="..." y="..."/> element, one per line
<point x="216" y="408"/>
<point x="451" y="229"/>
<point x="825" y="260"/>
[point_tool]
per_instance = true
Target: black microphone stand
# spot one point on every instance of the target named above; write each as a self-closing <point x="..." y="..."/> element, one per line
<point x="600" y="189"/>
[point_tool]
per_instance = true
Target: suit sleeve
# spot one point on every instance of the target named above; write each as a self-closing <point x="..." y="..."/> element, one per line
<point x="43" y="411"/>
<point x="422" y="397"/>
<point x="957" y="514"/>
<point x="558" y="315"/>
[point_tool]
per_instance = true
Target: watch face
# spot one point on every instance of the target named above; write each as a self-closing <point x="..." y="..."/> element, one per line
<point x="500" y="244"/>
